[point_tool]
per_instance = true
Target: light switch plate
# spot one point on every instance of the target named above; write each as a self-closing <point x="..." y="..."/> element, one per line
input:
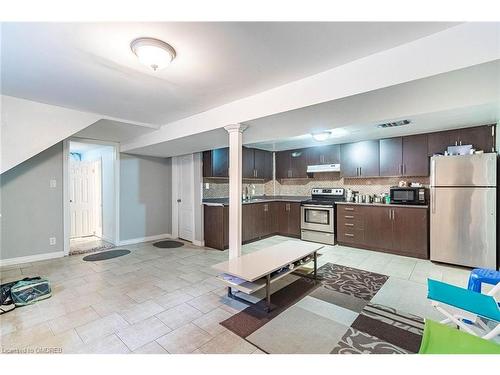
<point x="52" y="241"/>
<point x="207" y="185"/>
<point x="53" y="184"/>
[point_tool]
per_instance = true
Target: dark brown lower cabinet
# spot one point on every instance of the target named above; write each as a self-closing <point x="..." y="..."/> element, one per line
<point x="259" y="220"/>
<point x="397" y="230"/>
<point x="216" y="226"/>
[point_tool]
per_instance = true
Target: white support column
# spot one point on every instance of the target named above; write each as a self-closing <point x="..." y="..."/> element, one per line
<point x="235" y="176"/>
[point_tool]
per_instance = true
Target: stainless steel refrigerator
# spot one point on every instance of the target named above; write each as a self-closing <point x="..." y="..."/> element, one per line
<point x="463" y="210"/>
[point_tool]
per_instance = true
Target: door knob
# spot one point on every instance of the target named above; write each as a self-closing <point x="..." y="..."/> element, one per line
<point x="179" y="201"/>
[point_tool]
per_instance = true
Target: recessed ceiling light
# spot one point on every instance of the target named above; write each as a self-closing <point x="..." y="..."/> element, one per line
<point x="393" y="124"/>
<point x="153" y="53"/>
<point x="321" y="136"/>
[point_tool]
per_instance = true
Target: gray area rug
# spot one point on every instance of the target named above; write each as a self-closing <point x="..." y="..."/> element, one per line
<point x="106" y="255"/>
<point x="168" y="244"/>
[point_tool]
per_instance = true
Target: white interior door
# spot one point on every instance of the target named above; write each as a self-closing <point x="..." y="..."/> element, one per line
<point x="185" y="197"/>
<point x="85" y="198"/>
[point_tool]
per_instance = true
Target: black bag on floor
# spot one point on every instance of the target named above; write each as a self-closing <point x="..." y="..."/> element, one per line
<point x="6" y="301"/>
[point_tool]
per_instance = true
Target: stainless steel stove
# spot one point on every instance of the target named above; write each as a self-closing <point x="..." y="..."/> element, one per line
<point x="318" y="215"/>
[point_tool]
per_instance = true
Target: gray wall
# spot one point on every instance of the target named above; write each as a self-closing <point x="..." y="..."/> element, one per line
<point x="32" y="211"/>
<point x="145" y="196"/>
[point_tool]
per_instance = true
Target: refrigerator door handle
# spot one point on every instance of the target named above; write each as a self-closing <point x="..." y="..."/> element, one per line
<point x="433" y="172"/>
<point x="433" y="200"/>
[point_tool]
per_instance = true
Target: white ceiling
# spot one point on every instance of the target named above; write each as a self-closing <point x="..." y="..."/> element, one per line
<point x="89" y="66"/>
<point x="461" y="98"/>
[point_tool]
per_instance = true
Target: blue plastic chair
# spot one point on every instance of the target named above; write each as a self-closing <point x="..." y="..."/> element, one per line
<point x="478" y="276"/>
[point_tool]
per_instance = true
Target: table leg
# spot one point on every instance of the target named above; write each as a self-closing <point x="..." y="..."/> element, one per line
<point x="268" y="292"/>
<point x="315" y="265"/>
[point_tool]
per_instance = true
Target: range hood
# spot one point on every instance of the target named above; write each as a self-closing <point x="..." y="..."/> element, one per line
<point x="323" y="168"/>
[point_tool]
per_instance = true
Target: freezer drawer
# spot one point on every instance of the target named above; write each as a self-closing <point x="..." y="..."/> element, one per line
<point x="463" y="226"/>
<point x="466" y="170"/>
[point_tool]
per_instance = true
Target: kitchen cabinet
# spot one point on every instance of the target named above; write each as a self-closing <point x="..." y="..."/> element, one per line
<point x="263" y="164"/>
<point x="216" y="163"/>
<point x="391" y="157"/>
<point x="288" y="214"/>
<point x="410" y="232"/>
<point x="256" y="164"/>
<point x="480" y="137"/>
<point x="291" y="164"/>
<point x="397" y="230"/>
<point x="323" y="155"/>
<point x="404" y="156"/>
<point x="216" y="226"/>
<point x="360" y="159"/>
<point x="415" y="160"/>
<point x="247" y="163"/>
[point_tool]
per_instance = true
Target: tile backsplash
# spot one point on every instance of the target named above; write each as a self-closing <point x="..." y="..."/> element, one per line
<point x="302" y="186"/>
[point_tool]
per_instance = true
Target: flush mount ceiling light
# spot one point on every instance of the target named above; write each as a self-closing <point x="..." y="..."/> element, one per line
<point x="321" y="136"/>
<point x="153" y="53"/>
<point x="324" y="135"/>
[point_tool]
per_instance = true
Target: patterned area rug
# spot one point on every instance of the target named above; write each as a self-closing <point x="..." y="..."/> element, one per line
<point x="332" y="316"/>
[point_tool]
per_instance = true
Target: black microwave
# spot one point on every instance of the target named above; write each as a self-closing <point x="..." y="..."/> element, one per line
<point x="408" y="195"/>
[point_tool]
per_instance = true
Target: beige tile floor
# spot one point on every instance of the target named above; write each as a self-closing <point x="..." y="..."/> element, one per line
<point x="168" y="300"/>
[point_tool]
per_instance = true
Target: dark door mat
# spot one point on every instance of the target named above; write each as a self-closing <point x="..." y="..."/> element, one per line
<point x="168" y="244"/>
<point x="106" y="255"/>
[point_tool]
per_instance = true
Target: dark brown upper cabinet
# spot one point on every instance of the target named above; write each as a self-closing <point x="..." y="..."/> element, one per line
<point x="415" y="160"/>
<point x="323" y="155"/>
<point x="216" y="163"/>
<point x="291" y="164"/>
<point x="404" y="156"/>
<point x="360" y="159"/>
<point x="480" y="137"/>
<point x="257" y="164"/>
<point x="248" y="163"/>
<point x="263" y="164"/>
<point x="391" y="157"/>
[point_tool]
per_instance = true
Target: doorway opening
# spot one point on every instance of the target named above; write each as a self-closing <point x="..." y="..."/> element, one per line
<point x="90" y="203"/>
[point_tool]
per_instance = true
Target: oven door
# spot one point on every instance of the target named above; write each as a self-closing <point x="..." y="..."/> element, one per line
<point x="317" y="217"/>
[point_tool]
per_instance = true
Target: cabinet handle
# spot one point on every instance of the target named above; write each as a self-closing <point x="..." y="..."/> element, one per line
<point x="349" y="224"/>
<point x="404" y="169"/>
<point x="390" y="218"/>
<point x="460" y="142"/>
<point x="401" y="169"/>
<point x="349" y="209"/>
<point x="349" y="234"/>
<point x="360" y="171"/>
<point x="456" y="143"/>
<point x="349" y="217"/>
<point x="392" y="215"/>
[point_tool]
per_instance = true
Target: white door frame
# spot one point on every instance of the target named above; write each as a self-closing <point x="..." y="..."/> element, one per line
<point x="116" y="170"/>
<point x="175" y="196"/>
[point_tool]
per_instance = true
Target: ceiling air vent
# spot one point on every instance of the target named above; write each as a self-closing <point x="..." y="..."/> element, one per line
<point x="393" y="124"/>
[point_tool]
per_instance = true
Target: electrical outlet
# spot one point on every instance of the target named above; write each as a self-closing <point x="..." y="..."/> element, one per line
<point x="207" y="185"/>
<point x="53" y="184"/>
<point x="52" y="241"/>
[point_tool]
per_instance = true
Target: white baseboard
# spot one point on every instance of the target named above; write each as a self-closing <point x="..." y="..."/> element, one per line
<point x="31" y="258"/>
<point x="199" y="243"/>
<point x="144" y="239"/>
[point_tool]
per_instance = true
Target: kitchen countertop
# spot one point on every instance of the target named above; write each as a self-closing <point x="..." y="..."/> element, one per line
<point x="388" y="205"/>
<point x="257" y="199"/>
